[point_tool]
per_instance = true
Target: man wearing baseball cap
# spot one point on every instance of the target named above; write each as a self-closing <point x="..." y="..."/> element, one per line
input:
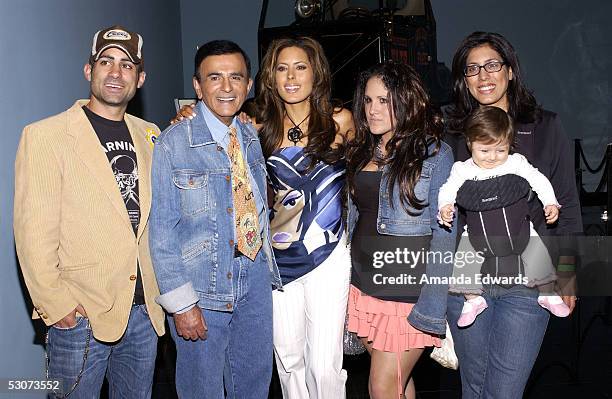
<point x="82" y="201"/>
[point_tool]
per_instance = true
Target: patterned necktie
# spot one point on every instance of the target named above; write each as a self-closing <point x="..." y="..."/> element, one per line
<point x="245" y="210"/>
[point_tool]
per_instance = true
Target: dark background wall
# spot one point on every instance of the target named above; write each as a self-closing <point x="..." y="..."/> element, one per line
<point x="202" y="21"/>
<point x="565" y="48"/>
<point x="43" y="47"/>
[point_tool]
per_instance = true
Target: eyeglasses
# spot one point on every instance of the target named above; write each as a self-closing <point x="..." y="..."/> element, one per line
<point x="491" y="66"/>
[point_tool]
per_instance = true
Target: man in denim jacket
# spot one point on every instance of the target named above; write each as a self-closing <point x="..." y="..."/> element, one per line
<point x="218" y="295"/>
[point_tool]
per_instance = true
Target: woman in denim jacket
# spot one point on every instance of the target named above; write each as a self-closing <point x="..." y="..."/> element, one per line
<point x="400" y="254"/>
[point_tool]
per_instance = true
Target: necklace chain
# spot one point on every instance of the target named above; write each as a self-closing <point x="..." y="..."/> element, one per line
<point x="298" y="125"/>
<point x="295" y="134"/>
<point x="379" y="156"/>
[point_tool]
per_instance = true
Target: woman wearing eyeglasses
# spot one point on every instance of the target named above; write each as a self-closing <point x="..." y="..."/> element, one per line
<point x="498" y="351"/>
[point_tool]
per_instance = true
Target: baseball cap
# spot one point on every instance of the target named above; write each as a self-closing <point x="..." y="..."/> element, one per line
<point x="117" y="36"/>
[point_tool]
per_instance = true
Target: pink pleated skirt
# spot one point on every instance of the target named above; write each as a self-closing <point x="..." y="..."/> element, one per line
<point x="384" y="323"/>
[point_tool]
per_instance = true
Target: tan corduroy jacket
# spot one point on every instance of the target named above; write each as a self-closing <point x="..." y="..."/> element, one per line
<point x="72" y="231"/>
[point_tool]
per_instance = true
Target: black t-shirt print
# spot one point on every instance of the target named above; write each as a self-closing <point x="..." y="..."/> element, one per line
<point x="117" y="143"/>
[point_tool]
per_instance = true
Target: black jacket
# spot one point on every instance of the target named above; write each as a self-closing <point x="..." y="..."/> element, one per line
<point x="546" y="146"/>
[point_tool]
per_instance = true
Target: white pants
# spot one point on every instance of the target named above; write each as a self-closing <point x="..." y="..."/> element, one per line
<point x="308" y="327"/>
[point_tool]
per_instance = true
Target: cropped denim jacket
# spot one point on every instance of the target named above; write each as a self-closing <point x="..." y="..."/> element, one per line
<point x="191" y="223"/>
<point x="429" y="313"/>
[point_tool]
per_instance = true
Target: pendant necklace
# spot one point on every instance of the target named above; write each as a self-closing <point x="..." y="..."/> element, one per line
<point x="295" y="134"/>
<point x="379" y="156"/>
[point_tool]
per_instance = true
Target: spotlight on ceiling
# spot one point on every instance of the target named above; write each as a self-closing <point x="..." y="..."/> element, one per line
<point x="307" y="8"/>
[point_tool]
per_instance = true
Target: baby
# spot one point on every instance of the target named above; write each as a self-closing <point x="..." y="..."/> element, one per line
<point x="497" y="177"/>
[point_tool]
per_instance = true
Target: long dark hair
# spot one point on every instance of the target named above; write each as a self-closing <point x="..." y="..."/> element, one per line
<point x="417" y="128"/>
<point x="522" y="105"/>
<point x="321" y="126"/>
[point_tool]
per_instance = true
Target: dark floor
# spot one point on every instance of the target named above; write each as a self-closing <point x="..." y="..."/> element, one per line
<point x="575" y="362"/>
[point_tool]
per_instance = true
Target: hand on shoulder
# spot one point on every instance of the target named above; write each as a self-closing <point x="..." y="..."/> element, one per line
<point x="186" y="111"/>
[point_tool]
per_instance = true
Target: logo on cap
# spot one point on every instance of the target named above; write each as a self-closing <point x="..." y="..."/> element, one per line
<point x="117" y="34"/>
<point x="119" y="37"/>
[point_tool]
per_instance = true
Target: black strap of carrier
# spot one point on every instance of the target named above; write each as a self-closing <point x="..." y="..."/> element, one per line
<point x="493" y="193"/>
<point x="497" y="214"/>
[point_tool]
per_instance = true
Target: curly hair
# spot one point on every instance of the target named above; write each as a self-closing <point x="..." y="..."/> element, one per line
<point x="322" y="128"/>
<point x="418" y="127"/>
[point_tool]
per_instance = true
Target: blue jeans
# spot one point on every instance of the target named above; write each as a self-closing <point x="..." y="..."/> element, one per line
<point x="497" y="352"/>
<point x="237" y="353"/>
<point x="128" y="364"/>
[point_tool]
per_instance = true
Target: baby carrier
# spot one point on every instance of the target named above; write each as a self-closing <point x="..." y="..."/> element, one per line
<point x="497" y="218"/>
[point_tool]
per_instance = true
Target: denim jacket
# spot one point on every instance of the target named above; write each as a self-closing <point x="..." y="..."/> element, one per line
<point x="191" y="230"/>
<point x="429" y="313"/>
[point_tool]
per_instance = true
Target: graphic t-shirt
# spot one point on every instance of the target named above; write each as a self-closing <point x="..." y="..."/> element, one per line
<point x="306" y="219"/>
<point x="119" y="148"/>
